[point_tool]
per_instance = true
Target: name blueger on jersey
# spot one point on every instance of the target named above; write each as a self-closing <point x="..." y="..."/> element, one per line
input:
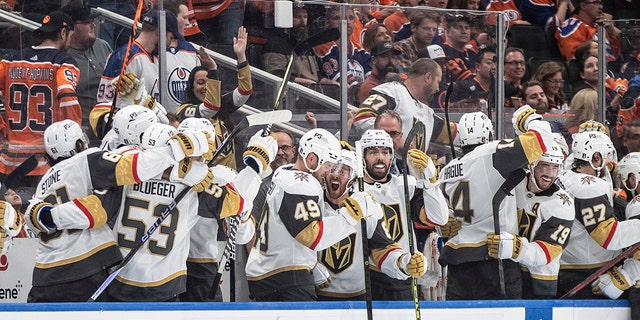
<point x="159" y="188"/>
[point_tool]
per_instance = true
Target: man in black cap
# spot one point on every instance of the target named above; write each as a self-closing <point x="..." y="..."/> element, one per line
<point x="91" y="54"/>
<point x="461" y="56"/>
<point x="40" y="90"/>
<point x="383" y="56"/>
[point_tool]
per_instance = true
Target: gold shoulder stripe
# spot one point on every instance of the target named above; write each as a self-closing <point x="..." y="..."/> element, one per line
<point x="309" y="235"/>
<point x="531" y="146"/>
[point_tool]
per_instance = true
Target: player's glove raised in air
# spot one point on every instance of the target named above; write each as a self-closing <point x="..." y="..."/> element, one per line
<point x="592" y="125"/>
<point x="191" y="143"/>
<point x="39" y="216"/>
<point x="128" y="85"/>
<point x="260" y="152"/>
<point x="321" y="276"/>
<point x="360" y="205"/>
<point x="412" y="265"/>
<point x="421" y="166"/>
<point x="451" y="228"/>
<point x="522" y="117"/>
<point x="192" y="173"/>
<point x="613" y="283"/>
<point x="151" y="103"/>
<point x="10" y="225"/>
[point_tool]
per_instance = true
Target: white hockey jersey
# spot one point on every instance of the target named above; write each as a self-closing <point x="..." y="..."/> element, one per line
<point x="470" y="183"/>
<point x="180" y="60"/>
<point x="395" y="96"/>
<point x="290" y="231"/>
<point x="545" y="219"/>
<point x="77" y="250"/>
<point x="596" y="236"/>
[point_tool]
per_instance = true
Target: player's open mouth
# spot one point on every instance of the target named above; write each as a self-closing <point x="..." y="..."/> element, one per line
<point x="335" y="185"/>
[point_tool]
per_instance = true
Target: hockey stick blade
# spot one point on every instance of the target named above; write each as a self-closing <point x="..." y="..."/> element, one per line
<point x="600" y="271"/>
<point x="269" y="117"/>
<point x="317" y="39"/>
<point x="418" y="128"/>
<point x="21" y="171"/>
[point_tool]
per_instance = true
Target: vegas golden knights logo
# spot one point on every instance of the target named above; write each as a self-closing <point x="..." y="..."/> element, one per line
<point x="526" y="221"/>
<point x="419" y="141"/>
<point x="339" y="256"/>
<point x="393" y="220"/>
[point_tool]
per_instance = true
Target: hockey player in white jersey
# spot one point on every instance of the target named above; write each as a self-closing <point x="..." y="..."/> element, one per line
<point x="427" y="202"/>
<point x="292" y="227"/>
<point x="472" y="273"/>
<point x="409" y="99"/>
<point x="343" y="261"/>
<point x="545" y="217"/>
<point x="613" y="283"/>
<point x="596" y="236"/>
<point x="77" y="247"/>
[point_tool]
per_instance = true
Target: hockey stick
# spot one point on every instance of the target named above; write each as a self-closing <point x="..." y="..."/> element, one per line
<point x="504" y="191"/>
<point x="300" y="48"/>
<point x="365" y="239"/>
<point x="12" y="179"/>
<point x="418" y="128"/>
<point x="252" y="120"/>
<point x="447" y="97"/>
<point x="600" y="271"/>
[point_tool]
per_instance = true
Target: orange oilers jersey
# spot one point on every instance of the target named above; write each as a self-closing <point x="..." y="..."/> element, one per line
<point x="40" y="89"/>
<point x="207" y="9"/>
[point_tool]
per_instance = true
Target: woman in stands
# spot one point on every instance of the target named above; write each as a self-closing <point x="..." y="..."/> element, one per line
<point x="550" y="75"/>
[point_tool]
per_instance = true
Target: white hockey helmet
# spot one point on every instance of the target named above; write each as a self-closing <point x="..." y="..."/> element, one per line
<point x="376" y="138"/>
<point x="60" y="139"/>
<point x="586" y="144"/>
<point x="198" y="123"/>
<point x="474" y="128"/>
<point x="322" y="143"/>
<point x="131" y="121"/>
<point x="627" y="165"/>
<point x="157" y="135"/>
<point x="348" y="158"/>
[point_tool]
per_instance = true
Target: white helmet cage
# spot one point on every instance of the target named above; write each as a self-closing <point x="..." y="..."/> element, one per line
<point x="198" y="123"/>
<point x="131" y="121"/>
<point x="586" y="144"/>
<point x="627" y="165"/>
<point x="348" y="158"/>
<point x="158" y="134"/>
<point x="322" y="143"/>
<point x="60" y="139"/>
<point x="474" y="128"/>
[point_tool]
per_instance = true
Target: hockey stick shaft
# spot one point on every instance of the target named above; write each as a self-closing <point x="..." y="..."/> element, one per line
<point x="497" y="199"/>
<point x="447" y="97"/>
<point x="600" y="271"/>
<point x="12" y="180"/>
<point x="418" y="128"/>
<point x="365" y="240"/>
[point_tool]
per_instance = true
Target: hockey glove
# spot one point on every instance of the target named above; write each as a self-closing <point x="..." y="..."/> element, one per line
<point x="191" y="143"/>
<point x="345" y="145"/>
<point x="505" y="245"/>
<point x="194" y="174"/>
<point x="613" y="283"/>
<point x="592" y="125"/>
<point x="522" y="117"/>
<point x="360" y="206"/>
<point x="260" y="152"/>
<point x="450" y="229"/>
<point x="421" y="166"/>
<point x="128" y="85"/>
<point x="40" y="216"/>
<point x="151" y="103"/>
<point x="321" y="276"/>
<point x="412" y="265"/>
<point x="10" y="225"/>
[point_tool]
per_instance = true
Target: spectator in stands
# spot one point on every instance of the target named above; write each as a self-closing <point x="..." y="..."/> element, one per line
<point x="111" y="32"/>
<point x="461" y="57"/>
<point x="534" y="96"/>
<point x="479" y="36"/>
<point x="582" y="27"/>
<point x="359" y="64"/>
<point x="375" y="33"/>
<point x="91" y="54"/>
<point x="544" y="13"/>
<point x="424" y="26"/>
<point x="383" y="56"/>
<point x="549" y="74"/>
<point x="589" y="76"/>
<point x="514" y="68"/>
<point x="219" y="20"/>
<point x="631" y="136"/>
<point x="467" y="4"/>
<point x="631" y="68"/>
<point x="279" y="45"/>
<point x="398" y="22"/>
<point x="583" y="107"/>
<point x="478" y="86"/>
